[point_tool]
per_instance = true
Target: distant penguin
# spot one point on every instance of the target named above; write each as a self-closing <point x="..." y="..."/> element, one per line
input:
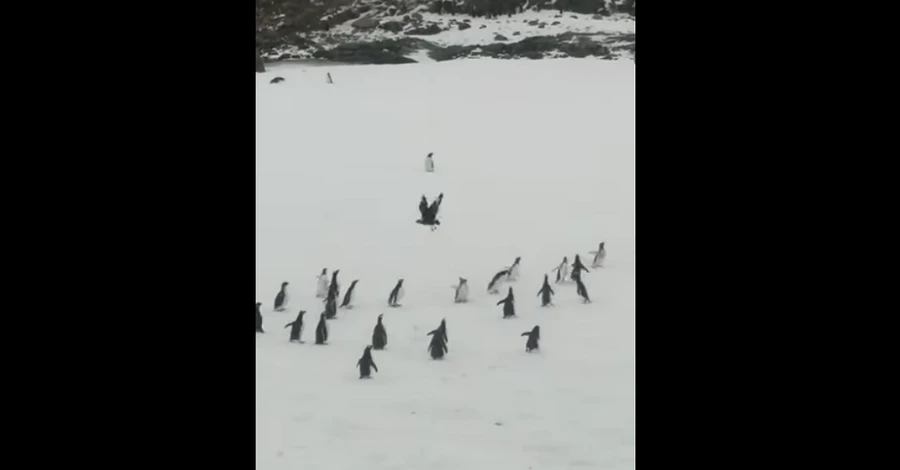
<point x="396" y="294"/>
<point x="509" y="305"/>
<point x="348" y="297"/>
<point x="545" y="292"/>
<point x="259" y="328"/>
<point x="322" y="330"/>
<point x="281" y="299"/>
<point x="438" y="345"/>
<point x="577" y="267"/>
<point x="462" y="291"/>
<point x="582" y="291"/>
<point x="366" y="364"/>
<point x="441" y="330"/>
<point x="330" y="307"/>
<point x="497" y="281"/>
<point x="533" y="336"/>
<point x="296" y="327"/>
<point x="514" y="270"/>
<point x="322" y="284"/>
<point x="562" y="271"/>
<point x="379" y="335"/>
<point x="334" y="289"/>
<point x="429" y="163"/>
<point x="599" y="256"/>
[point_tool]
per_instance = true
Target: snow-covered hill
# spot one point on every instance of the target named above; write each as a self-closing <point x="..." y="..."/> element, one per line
<point x="536" y="159"/>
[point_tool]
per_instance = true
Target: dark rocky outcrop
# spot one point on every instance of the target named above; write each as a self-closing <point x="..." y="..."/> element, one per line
<point x="500" y="37"/>
<point x="429" y="30"/>
<point x="464" y="26"/>
<point x="392" y="26"/>
<point x="366" y="22"/>
<point x="566" y="44"/>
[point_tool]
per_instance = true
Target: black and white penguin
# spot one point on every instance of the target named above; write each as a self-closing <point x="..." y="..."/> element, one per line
<point x="441" y="330"/>
<point x="438" y="345"/>
<point x="577" y="267"/>
<point x="429" y="163"/>
<point x="259" y="328"/>
<point x="379" y="335"/>
<point x="545" y="292"/>
<point x="296" y="327"/>
<point x="322" y="284"/>
<point x="562" y="271"/>
<point x="462" y="291"/>
<point x="348" y="297"/>
<point x="334" y="289"/>
<point x="322" y="330"/>
<point x="509" y="305"/>
<point x="599" y="256"/>
<point x="533" y="336"/>
<point x="396" y="294"/>
<point x="281" y="299"/>
<point x="496" y="282"/>
<point x="581" y="290"/>
<point x="366" y="364"/>
<point x="513" y="274"/>
<point x="330" y="307"/>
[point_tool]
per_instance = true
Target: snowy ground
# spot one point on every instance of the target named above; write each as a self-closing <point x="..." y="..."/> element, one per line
<point x="536" y="159"/>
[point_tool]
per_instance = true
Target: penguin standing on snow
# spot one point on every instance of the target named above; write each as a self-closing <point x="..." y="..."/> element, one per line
<point x="366" y="364"/>
<point x="441" y="330"/>
<point x="462" y="291"/>
<point x="438" y="345"/>
<point x="496" y="281"/>
<point x="582" y="291"/>
<point x="599" y="256"/>
<point x="296" y="327"/>
<point x="348" y="297"/>
<point x="379" y="335"/>
<point x="322" y="330"/>
<point x="545" y="292"/>
<point x="562" y="270"/>
<point x="577" y="267"/>
<point x="533" y="336"/>
<point x="509" y="305"/>
<point x="282" y="298"/>
<point x="429" y="163"/>
<point x="330" y="307"/>
<point x="259" y="318"/>
<point x="322" y="284"/>
<point x="396" y="294"/>
<point x="514" y="270"/>
<point x="334" y="289"/>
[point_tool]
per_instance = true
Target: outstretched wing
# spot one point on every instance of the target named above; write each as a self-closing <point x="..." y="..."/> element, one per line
<point x="435" y="205"/>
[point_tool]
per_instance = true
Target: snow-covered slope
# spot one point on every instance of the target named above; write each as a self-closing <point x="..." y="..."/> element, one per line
<point x="536" y="159"/>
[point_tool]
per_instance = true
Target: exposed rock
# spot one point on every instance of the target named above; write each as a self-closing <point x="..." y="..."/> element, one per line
<point x="466" y="20"/>
<point x="598" y="17"/>
<point x="482" y="26"/>
<point x="555" y="23"/>
<point x="533" y="23"/>
<point x="392" y="26"/>
<point x="516" y="33"/>
<point x="365" y="23"/>
<point x="260" y="66"/>
<point x="429" y="30"/>
<point x="541" y="26"/>
<point x="277" y="80"/>
<point x="382" y="52"/>
<point x="500" y="37"/>
<point x="417" y="16"/>
<point x="464" y="26"/>
<point x="392" y="11"/>
<point x="405" y="18"/>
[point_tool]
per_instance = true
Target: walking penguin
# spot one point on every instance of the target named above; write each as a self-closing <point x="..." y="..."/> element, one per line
<point x="513" y="271"/>
<point x="348" y="297"/>
<point x="429" y="163"/>
<point x="462" y="291"/>
<point x="562" y="271"/>
<point x="438" y="345"/>
<point x="330" y="307"/>
<point x="599" y="256"/>
<point x="259" y="328"/>
<point x="577" y="267"/>
<point x="545" y="292"/>
<point x="366" y="363"/>
<point x="282" y="298"/>
<point x="322" y="330"/>
<point x="322" y="284"/>
<point x="497" y="281"/>
<point x="396" y="294"/>
<point x="442" y="330"/>
<point x="296" y="327"/>
<point x="334" y="288"/>
<point x="533" y="336"/>
<point x="582" y="291"/>
<point x="379" y="335"/>
<point x="509" y="307"/>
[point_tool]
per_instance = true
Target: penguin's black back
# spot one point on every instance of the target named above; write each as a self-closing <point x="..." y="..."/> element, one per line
<point x="321" y="330"/>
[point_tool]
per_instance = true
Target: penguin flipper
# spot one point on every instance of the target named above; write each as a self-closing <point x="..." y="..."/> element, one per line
<point x="372" y="363"/>
<point x="289" y="324"/>
<point x="526" y="333"/>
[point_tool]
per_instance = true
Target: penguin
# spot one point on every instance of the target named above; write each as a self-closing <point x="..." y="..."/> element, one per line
<point x="322" y="330"/>
<point x="514" y="270"/>
<point x="462" y="291"/>
<point x="282" y="298"/>
<point x="533" y="336"/>
<point x="334" y="288"/>
<point x="396" y="294"/>
<point x="438" y="345"/>
<point x="348" y="297"/>
<point x="582" y="291"/>
<point x="545" y="292"/>
<point x="379" y="335"/>
<point x="509" y="307"/>
<point x="442" y="330"/>
<point x="322" y="284"/>
<point x="577" y="267"/>
<point x="562" y="271"/>
<point x="496" y="281"/>
<point x="330" y="307"/>
<point x="296" y="328"/>
<point x="599" y="256"/>
<point x="429" y="163"/>
<point x="259" y="328"/>
<point x="366" y="364"/>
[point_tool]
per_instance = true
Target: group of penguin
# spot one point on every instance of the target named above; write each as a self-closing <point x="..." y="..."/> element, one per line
<point x="438" y="345"/>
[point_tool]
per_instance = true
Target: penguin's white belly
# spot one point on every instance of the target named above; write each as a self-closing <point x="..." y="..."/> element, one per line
<point x="564" y="272"/>
<point x="598" y="258"/>
<point x="399" y="294"/>
<point x="429" y="165"/>
<point x="322" y="288"/>
<point x="462" y="294"/>
<point x="513" y="273"/>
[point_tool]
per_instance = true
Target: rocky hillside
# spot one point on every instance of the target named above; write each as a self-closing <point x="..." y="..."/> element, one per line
<point x="405" y="31"/>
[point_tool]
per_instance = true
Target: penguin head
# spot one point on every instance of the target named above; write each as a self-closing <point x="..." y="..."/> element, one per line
<point x="283" y="284"/>
<point x="565" y="259"/>
<point x="601" y="245"/>
<point x="324" y="271"/>
<point x="430" y="154"/>
<point x="336" y="271"/>
<point x="322" y="316"/>
<point x="400" y="282"/>
<point x="536" y="330"/>
<point x="518" y="258"/>
<point x="546" y="278"/>
<point x="354" y="282"/>
<point x="259" y="304"/>
<point x="302" y="312"/>
<point x="463" y="281"/>
<point x="379" y="317"/>
<point x="368" y="348"/>
<point x="510" y="290"/>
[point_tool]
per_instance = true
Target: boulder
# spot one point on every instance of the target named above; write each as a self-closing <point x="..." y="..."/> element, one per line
<point x="366" y="22"/>
<point x="429" y="30"/>
<point x="392" y="26"/>
<point x="500" y="37"/>
<point x="464" y="26"/>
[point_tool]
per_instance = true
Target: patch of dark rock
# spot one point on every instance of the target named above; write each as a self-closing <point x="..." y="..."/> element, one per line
<point x="516" y="33"/>
<point x="555" y="23"/>
<point x="429" y="30"/>
<point x="541" y="26"/>
<point x="365" y="23"/>
<point x="573" y="16"/>
<point x="533" y="23"/>
<point x="417" y="16"/>
<point x="482" y="26"/>
<point x="500" y="37"/>
<point x="466" y="20"/>
<point x="392" y="26"/>
<point x="276" y="80"/>
<point x="406" y="18"/>
<point x="464" y="26"/>
<point x="392" y="11"/>
<point x="381" y="52"/>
